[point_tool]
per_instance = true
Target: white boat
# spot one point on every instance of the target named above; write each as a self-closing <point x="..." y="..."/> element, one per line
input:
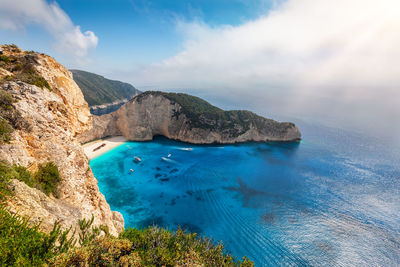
<point x="186" y="148"/>
<point x="168" y="160"/>
<point x="137" y="159"/>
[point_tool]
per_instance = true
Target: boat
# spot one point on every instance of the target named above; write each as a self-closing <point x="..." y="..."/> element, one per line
<point x="168" y="160"/>
<point x="186" y="148"/>
<point x="131" y="170"/>
<point x="169" y="155"/>
<point x="137" y="159"/>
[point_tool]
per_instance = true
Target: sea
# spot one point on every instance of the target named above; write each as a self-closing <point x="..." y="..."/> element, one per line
<point x="332" y="199"/>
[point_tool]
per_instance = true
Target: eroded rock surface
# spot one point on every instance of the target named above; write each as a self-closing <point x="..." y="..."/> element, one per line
<point x="155" y="113"/>
<point x="52" y="121"/>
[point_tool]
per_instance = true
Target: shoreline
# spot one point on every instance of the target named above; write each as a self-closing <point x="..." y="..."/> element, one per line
<point x="108" y="144"/>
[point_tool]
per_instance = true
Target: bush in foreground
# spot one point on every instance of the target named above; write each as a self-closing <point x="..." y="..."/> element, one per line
<point x="22" y="244"/>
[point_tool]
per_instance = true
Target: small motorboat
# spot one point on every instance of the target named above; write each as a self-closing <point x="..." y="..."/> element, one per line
<point x="169" y="155"/>
<point x="168" y="160"/>
<point x="137" y="159"/>
<point x="186" y="148"/>
<point x="131" y="170"/>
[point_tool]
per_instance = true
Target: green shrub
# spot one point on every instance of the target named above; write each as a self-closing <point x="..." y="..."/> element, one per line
<point x="23" y="69"/>
<point x="103" y="251"/>
<point x="30" y="75"/>
<point x="24" y="175"/>
<point x="160" y="247"/>
<point x="47" y="178"/>
<point x="4" y="59"/>
<point x="5" y="130"/>
<point x="6" y="100"/>
<point x="22" y="244"/>
<point x="7" y="173"/>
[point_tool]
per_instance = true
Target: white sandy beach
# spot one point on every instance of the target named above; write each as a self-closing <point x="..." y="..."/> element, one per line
<point x="110" y="143"/>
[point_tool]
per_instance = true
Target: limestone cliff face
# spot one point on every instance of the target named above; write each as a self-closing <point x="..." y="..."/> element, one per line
<point x="155" y="113"/>
<point x="52" y="121"/>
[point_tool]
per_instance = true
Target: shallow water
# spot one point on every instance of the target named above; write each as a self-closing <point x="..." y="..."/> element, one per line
<point x="333" y="199"/>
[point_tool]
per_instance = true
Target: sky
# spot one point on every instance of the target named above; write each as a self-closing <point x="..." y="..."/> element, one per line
<point x="330" y="61"/>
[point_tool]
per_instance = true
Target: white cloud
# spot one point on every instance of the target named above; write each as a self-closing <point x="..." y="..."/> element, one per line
<point x="336" y="58"/>
<point x="16" y="14"/>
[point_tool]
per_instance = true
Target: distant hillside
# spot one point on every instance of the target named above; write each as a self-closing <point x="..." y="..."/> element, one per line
<point x="98" y="90"/>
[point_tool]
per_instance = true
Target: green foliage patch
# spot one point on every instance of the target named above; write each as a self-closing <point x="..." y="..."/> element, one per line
<point x="22" y="68"/>
<point x="22" y="244"/>
<point x="4" y="59"/>
<point x="161" y="247"/>
<point x="5" y="130"/>
<point x="10" y="118"/>
<point x="45" y="179"/>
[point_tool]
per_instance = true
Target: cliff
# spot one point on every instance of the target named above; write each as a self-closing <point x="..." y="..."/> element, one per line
<point x="189" y="119"/>
<point x="45" y="113"/>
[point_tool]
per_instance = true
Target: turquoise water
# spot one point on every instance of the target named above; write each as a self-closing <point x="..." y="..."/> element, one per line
<point x="333" y="199"/>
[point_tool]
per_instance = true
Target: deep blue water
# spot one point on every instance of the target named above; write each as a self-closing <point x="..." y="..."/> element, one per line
<point x="333" y="199"/>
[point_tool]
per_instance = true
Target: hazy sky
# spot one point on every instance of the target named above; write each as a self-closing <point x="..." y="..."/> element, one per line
<point x="328" y="60"/>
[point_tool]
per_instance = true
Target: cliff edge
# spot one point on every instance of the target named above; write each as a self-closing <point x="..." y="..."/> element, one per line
<point x="188" y="119"/>
<point x="45" y="113"/>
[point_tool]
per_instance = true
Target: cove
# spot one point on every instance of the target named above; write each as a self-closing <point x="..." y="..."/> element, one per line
<point x="329" y="200"/>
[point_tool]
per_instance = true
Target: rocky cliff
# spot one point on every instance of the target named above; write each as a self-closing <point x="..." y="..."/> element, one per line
<point x="189" y="119"/>
<point x="51" y="112"/>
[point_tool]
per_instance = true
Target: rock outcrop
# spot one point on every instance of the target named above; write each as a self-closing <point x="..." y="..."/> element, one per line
<point x="189" y="119"/>
<point x="52" y="121"/>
